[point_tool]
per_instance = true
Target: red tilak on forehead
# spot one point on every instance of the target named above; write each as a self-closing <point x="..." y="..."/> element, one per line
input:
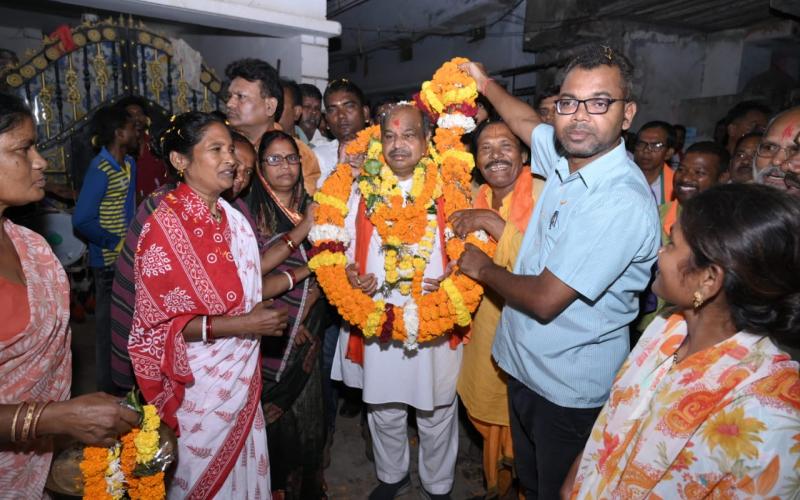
<point x="788" y="132"/>
<point x="396" y="122"/>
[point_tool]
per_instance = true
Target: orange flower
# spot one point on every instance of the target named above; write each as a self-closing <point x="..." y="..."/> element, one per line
<point x="691" y="411"/>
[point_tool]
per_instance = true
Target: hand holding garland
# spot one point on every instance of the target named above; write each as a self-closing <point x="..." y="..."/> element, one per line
<point x="477" y="219"/>
<point x="519" y="116"/>
<point x="95" y="419"/>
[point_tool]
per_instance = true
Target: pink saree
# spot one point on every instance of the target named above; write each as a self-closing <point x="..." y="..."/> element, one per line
<point x="36" y="364"/>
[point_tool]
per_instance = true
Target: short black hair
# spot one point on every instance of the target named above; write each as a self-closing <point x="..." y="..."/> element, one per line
<point x="678" y="126"/>
<point x="666" y="127"/>
<point x="744" y="107"/>
<point x="294" y="89"/>
<point x="548" y="91"/>
<point x="133" y="100"/>
<point x="752" y="232"/>
<point x="107" y="120"/>
<point x="488" y="106"/>
<point x="256" y="70"/>
<point x="750" y="135"/>
<point x="308" y="90"/>
<point x="712" y="148"/>
<point x="597" y="55"/>
<point x="345" y="85"/>
<point x="12" y="111"/>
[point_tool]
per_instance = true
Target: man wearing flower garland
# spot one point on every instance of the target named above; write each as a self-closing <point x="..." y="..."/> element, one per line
<point x="393" y="378"/>
<point x="586" y="255"/>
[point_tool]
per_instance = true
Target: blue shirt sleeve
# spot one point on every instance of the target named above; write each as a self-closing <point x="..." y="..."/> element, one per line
<point x="86" y="217"/>
<point x="603" y="238"/>
<point x="543" y="150"/>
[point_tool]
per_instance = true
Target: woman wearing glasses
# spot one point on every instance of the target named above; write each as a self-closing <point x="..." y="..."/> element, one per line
<point x="292" y="391"/>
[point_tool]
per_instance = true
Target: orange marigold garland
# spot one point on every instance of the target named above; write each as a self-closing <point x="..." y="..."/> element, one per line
<point x="111" y="473"/>
<point x="424" y="317"/>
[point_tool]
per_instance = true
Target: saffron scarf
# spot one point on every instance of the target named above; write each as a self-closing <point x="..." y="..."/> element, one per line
<point x="36" y="363"/>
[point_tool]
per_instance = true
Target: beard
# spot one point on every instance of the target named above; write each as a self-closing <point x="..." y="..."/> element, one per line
<point x="587" y="148"/>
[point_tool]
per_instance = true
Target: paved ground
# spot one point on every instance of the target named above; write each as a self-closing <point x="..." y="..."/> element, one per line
<point x="350" y="475"/>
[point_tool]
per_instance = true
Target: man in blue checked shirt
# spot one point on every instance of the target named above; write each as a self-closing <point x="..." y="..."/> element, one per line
<point x="585" y="257"/>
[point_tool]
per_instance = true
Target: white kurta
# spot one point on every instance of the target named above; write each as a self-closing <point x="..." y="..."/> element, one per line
<point x="423" y="379"/>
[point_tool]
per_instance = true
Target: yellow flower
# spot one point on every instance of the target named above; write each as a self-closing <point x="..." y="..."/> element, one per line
<point x="375" y="149"/>
<point x="734" y="433"/>
<point x="324" y="199"/>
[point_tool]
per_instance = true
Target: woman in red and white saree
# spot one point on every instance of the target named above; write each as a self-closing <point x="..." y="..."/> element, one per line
<point x="197" y="262"/>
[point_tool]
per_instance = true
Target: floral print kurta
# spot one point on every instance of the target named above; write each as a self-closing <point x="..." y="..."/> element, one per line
<point x="722" y="423"/>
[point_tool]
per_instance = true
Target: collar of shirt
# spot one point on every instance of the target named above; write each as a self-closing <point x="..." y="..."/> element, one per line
<point x="596" y="170"/>
<point x="106" y="155"/>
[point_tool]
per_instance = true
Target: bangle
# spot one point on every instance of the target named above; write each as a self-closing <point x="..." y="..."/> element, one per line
<point x="36" y="419"/>
<point x="26" y="426"/>
<point x="482" y="89"/>
<point x="204" y="330"/>
<point x="289" y="277"/>
<point x="293" y="275"/>
<point x="209" y="330"/>
<point x="289" y="243"/>
<point x="14" y="422"/>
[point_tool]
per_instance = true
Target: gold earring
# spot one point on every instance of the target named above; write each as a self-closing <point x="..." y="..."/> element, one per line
<point x="698" y="299"/>
<point x="180" y="174"/>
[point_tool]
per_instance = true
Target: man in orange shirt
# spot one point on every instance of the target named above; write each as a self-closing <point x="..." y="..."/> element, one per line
<point x="655" y="144"/>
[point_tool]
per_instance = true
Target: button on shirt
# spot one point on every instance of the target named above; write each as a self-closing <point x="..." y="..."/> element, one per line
<point x="597" y="231"/>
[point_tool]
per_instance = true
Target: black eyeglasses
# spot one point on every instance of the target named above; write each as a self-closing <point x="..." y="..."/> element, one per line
<point x="770" y="150"/>
<point x="275" y="160"/>
<point x="655" y="147"/>
<point x="594" y="106"/>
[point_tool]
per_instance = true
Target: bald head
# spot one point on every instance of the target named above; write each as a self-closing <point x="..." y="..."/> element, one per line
<point x="404" y="136"/>
<point x="778" y="151"/>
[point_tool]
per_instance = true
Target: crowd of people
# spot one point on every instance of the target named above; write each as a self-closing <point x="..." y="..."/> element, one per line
<point x="630" y="342"/>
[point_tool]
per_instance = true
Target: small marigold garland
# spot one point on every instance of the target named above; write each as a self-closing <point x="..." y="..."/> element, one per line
<point x="424" y="317"/>
<point x="110" y="473"/>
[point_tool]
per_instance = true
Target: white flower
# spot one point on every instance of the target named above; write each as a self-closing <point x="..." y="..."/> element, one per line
<point x="448" y="233"/>
<point x="328" y="232"/>
<point x="411" y="320"/>
<point x="447" y="120"/>
<point x="481" y="235"/>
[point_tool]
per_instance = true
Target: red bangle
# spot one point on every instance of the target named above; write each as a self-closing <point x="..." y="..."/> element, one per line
<point x="289" y="243"/>
<point x="209" y="331"/>
<point x="293" y="275"/>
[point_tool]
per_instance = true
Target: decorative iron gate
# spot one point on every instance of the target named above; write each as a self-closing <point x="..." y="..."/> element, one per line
<point x="80" y="69"/>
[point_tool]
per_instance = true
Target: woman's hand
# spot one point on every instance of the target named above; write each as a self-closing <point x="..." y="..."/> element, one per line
<point x="95" y="419"/>
<point x="266" y="321"/>
<point x="476" y="219"/>
<point x="367" y="283"/>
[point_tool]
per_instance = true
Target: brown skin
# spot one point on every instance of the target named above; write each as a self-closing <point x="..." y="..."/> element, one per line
<point x="311" y="116"/>
<point x="282" y="180"/>
<point x="250" y="111"/>
<point x="21" y="182"/>
<point x="139" y="117"/>
<point x="208" y="172"/>
<point x="585" y="137"/>
<point x="651" y="162"/>
<point x="500" y="159"/>
<point x="791" y="169"/>
<point x="404" y="143"/>
<point x="783" y="132"/>
<point x="345" y="115"/>
<point x="741" y="167"/>
<point x="753" y="120"/>
<point x="547" y="109"/>
<point x="292" y="111"/>
<point x="245" y="157"/>
<point x="696" y="173"/>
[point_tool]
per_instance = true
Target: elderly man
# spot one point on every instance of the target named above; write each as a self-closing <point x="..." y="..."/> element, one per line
<point x="391" y="378"/>
<point x="255" y="102"/>
<point x="587" y="253"/>
<point x="655" y="144"/>
<point x="777" y="156"/>
<point x="502" y="207"/>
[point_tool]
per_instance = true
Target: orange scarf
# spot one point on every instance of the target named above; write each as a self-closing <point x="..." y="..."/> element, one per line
<point x="671" y="217"/>
<point x="364" y="229"/>
<point x="521" y="200"/>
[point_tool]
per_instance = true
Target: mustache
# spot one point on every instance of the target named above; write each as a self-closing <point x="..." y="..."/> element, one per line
<point x="399" y="152"/>
<point x="579" y="127"/>
<point x="498" y="162"/>
<point x="772" y="170"/>
<point x="792" y="180"/>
